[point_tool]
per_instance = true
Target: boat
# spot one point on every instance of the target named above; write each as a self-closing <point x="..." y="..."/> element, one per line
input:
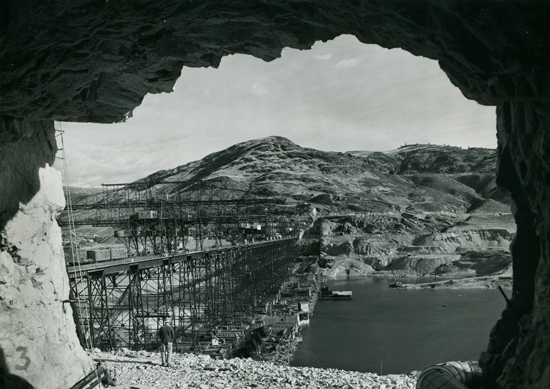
<point x="327" y="294"/>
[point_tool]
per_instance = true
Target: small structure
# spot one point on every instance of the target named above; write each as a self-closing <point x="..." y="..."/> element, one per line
<point x="303" y="306"/>
<point x="147" y="214"/>
<point x="327" y="294"/>
<point x="303" y="318"/>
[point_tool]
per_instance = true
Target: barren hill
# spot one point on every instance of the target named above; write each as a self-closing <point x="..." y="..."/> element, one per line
<point x="416" y="177"/>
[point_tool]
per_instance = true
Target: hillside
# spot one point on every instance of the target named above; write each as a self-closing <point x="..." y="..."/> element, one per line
<point x="416" y="177"/>
<point x="78" y="194"/>
<point x="424" y="178"/>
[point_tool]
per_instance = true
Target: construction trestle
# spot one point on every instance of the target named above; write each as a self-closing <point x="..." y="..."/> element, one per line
<point x="161" y="217"/>
<point x="123" y="303"/>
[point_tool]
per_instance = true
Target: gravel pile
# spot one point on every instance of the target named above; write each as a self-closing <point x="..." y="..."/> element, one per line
<point x="142" y="370"/>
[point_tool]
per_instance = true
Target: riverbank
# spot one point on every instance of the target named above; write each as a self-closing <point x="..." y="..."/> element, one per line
<point x="496" y="273"/>
<point x="141" y="369"/>
<point x="493" y="281"/>
<point x="464" y="283"/>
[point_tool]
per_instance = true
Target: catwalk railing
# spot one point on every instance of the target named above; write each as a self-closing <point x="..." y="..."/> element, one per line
<point x="123" y="303"/>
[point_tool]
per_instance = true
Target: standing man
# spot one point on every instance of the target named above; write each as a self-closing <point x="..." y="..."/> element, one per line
<point x="166" y="337"/>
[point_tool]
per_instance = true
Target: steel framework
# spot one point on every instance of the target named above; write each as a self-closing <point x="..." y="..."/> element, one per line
<point x="173" y="212"/>
<point x="123" y="303"/>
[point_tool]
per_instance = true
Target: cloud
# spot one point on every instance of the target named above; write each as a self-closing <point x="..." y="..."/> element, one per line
<point x="347" y="63"/>
<point x="323" y="57"/>
<point x="259" y="89"/>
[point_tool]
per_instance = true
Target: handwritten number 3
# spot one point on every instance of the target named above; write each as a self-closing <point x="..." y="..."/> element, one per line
<point x="23" y="357"/>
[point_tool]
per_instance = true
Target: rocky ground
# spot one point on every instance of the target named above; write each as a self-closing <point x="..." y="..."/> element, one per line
<point x="143" y="370"/>
<point x="447" y="246"/>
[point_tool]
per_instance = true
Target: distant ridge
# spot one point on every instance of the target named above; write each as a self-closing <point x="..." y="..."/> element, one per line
<point x="414" y="177"/>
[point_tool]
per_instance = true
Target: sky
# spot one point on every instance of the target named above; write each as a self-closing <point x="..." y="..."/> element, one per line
<point x="341" y="95"/>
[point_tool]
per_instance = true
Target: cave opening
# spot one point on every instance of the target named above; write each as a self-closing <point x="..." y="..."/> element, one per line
<point x="358" y="79"/>
<point x="94" y="61"/>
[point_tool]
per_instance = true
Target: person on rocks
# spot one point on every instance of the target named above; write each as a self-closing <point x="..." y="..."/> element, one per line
<point x="166" y="337"/>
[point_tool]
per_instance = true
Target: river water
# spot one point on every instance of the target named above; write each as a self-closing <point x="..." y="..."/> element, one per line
<point x="397" y="330"/>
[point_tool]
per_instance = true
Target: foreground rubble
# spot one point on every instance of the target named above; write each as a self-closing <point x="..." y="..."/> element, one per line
<point x="142" y="370"/>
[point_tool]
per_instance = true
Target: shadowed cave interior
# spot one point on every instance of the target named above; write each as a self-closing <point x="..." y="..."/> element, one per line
<point x="94" y="61"/>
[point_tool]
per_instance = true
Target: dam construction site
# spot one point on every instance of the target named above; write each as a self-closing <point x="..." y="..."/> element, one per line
<point x="231" y="275"/>
<point x="236" y="265"/>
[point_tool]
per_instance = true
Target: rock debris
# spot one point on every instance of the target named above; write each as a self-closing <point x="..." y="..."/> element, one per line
<point x="142" y="370"/>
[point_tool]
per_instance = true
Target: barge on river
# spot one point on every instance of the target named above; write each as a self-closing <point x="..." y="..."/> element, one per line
<point x="327" y="294"/>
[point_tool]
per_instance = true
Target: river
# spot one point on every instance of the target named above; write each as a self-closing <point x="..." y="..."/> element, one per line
<point x="397" y="330"/>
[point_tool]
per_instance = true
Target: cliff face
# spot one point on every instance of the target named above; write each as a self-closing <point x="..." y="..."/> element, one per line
<point x="92" y="60"/>
<point x="37" y="335"/>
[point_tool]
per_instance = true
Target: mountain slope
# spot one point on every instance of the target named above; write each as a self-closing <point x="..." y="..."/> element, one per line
<point x="416" y="177"/>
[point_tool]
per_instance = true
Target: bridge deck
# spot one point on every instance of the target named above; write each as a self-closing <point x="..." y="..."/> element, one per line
<point x="149" y="261"/>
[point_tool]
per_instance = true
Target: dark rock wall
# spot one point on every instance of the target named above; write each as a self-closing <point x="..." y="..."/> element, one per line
<point x="94" y="60"/>
<point x="19" y="177"/>
<point x="519" y="350"/>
